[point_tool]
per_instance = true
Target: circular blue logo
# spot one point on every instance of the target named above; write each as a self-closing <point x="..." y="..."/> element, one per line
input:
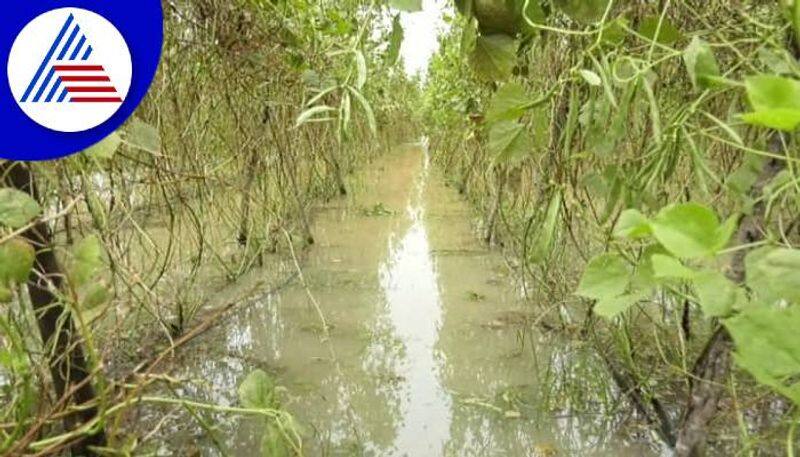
<point x="75" y="72"/>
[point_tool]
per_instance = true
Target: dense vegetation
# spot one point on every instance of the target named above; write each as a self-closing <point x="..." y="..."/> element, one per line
<point x="636" y="161"/>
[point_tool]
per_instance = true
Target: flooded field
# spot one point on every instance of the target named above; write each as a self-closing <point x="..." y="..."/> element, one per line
<point x="428" y="349"/>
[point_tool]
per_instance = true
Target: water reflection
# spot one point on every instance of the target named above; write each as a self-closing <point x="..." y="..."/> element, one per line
<point x="434" y="354"/>
<point x="414" y="310"/>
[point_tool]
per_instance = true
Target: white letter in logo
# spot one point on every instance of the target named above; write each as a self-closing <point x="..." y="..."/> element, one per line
<point x="70" y="70"/>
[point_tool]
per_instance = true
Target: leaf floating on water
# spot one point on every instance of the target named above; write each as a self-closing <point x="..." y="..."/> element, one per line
<point x="257" y="391"/>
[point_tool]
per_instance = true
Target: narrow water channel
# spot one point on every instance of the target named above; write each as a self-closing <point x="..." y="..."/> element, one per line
<point x="429" y="352"/>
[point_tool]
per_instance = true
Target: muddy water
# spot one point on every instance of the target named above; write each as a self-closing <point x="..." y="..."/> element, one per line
<point x="429" y="352"/>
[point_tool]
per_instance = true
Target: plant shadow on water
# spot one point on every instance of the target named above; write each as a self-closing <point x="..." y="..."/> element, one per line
<point x="434" y="350"/>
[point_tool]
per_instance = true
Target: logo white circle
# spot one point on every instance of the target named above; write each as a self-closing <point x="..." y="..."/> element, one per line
<point x="70" y="70"/>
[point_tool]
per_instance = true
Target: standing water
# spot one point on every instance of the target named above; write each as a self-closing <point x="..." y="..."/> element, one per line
<point x="429" y="350"/>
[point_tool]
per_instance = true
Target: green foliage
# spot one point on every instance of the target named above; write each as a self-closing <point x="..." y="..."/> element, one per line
<point x="773" y="275"/>
<point x="717" y="295"/>
<point x="16" y="261"/>
<point x="257" y="391"/>
<point x="775" y="101"/>
<point x="668" y="33"/>
<point x="509" y="142"/>
<point x="583" y="10"/>
<point x="494" y="57"/>
<point x="632" y="224"/>
<point x="605" y="277"/>
<point x="87" y="273"/>
<point x="143" y="136"/>
<point x="766" y="346"/>
<point x="105" y="149"/>
<point x="691" y="231"/>
<point x="395" y="41"/>
<point x="17" y="209"/>
<point x="668" y="267"/>
<point x="509" y="103"/>
<point x="701" y="64"/>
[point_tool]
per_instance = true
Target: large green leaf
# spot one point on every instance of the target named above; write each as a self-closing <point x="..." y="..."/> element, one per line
<point x="606" y="277"/>
<point x="667" y="33"/>
<point x="494" y="57"/>
<point x="718" y="296"/>
<point x="410" y="6"/>
<point x="508" y="103"/>
<point x="632" y="224"/>
<point x="611" y="307"/>
<point x="668" y="267"/>
<point x="509" y="142"/>
<point x="691" y="231"/>
<point x="774" y="274"/>
<point x="775" y="101"/>
<point x="17" y="209"/>
<point x="583" y="10"/>
<point x="16" y="261"/>
<point x="766" y="346"/>
<point x="87" y="261"/>
<point x="257" y="391"/>
<point x="701" y="64"/>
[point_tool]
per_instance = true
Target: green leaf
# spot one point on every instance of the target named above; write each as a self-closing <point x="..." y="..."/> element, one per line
<point x="774" y="274"/>
<point x="741" y="180"/>
<point x="17" y="209"/>
<point x="766" y="346"/>
<point x="494" y="57"/>
<point x="16" y="261"/>
<point x="395" y="41"/>
<point x="667" y="267"/>
<point x="775" y="101"/>
<point x="690" y="231"/>
<point x="667" y="34"/>
<point x="591" y="77"/>
<point x="605" y="277"/>
<point x="611" y="307"/>
<point x="508" y="103"/>
<point x="701" y="64"/>
<point x="410" y="6"/>
<point x="632" y="224"/>
<point x="143" y="136"/>
<point x="257" y="391"/>
<point x="509" y="142"/>
<point x="105" y="149"/>
<point x="717" y="295"/>
<point x="87" y="261"/>
<point x="586" y="11"/>
<point x="94" y="294"/>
